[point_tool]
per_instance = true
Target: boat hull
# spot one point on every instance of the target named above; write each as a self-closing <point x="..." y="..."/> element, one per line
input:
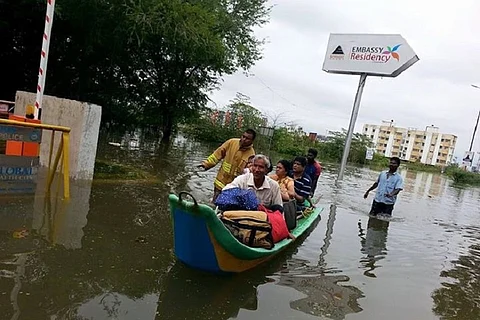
<point x="202" y="242"/>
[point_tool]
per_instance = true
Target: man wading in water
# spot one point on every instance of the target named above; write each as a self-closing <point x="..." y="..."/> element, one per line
<point x="235" y="154"/>
<point x="389" y="184"/>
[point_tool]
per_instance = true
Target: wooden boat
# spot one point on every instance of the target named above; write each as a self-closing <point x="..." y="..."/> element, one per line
<point x="201" y="241"/>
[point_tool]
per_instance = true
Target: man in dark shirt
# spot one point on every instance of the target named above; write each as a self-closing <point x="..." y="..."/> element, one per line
<point x="313" y="169"/>
<point x="302" y="182"/>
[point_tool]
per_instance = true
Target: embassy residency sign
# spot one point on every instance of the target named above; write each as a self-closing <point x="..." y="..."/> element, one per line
<point x="385" y="55"/>
<point x="381" y="55"/>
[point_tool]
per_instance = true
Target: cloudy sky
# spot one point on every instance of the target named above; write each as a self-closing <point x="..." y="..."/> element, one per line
<point x="437" y="90"/>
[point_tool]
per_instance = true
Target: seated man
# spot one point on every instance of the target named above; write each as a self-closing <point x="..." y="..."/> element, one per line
<point x="266" y="189"/>
<point x="302" y="182"/>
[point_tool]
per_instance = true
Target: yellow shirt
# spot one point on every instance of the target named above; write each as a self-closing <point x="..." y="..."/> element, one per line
<point x="286" y="185"/>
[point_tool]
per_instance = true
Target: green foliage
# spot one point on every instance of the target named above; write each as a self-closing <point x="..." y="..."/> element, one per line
<point x="148" y="62"/>
<point x="333" y="148"/>
<point x="105" y="170"/>
<point x="287" y="140"/>
<point x="291" y="142"/>
<point x="220" y="127"/>
<point x="460" y="176"/>
<point x="418" y="166"/>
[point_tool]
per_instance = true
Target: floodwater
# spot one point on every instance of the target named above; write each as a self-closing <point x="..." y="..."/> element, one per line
<point x="107" y="254"/>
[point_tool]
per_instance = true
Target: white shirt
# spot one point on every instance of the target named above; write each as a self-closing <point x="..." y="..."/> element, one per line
<point x="267" y="194"/>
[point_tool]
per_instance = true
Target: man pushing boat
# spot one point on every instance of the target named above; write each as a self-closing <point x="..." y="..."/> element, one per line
<point x="234" y="153"/>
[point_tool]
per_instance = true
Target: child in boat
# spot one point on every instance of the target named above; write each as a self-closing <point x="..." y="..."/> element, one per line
<point x="249" y="165"/>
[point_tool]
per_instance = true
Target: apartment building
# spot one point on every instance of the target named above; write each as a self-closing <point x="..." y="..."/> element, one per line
<point x="427" y="146"/>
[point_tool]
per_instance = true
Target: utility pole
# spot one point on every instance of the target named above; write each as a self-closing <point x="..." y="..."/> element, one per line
<point x="474" y="132"/>
<point x="476" y="125"/>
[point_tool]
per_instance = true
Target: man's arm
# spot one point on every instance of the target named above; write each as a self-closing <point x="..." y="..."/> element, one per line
<point x="373" y="187"/>
<point x="238" y="182"/>
<point x="216" y="156"/>
<point x="304" y="192"/>
<point x="314" y="185"/>
<point x="398" y="188"/>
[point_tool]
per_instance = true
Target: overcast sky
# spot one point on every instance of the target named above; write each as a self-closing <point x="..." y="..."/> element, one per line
<point x="436" y="90"/>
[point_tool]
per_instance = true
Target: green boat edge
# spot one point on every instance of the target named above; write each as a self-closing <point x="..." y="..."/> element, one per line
<point x="227" y="240"/>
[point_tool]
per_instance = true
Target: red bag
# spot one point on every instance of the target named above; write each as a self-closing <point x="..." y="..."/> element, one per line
<point x="279" y="226"/>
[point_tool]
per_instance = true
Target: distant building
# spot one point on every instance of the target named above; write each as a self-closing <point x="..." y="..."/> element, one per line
<point x="322" y="138"/>
<point x="427" y="146"/>
<point x="312" y="136"/>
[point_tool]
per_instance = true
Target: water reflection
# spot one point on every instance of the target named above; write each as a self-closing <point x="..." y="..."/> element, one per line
<point x="458" y="297"/>
<point x="424" y="184"/>
<point x="107" y="253"/>
<point x="188" y="294"/>
<point x="324" y="296"/>
<point x="373" y="244"/>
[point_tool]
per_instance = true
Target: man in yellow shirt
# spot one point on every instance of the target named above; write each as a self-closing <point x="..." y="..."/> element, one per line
<point x="234" y="153"/>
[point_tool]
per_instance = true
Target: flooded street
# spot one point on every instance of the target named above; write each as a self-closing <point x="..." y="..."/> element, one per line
<point x="108" y="254"/>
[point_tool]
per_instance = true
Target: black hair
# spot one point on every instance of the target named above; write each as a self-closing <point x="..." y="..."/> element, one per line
<point x="252" y="132"/>
<point x="396" y="159"/>
<point x="313" y="151"/>
<point x="286" y="164"/>
<point x="302" y="160"/>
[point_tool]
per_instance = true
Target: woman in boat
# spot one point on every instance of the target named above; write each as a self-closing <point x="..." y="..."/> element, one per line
<point x="285" y="182"/>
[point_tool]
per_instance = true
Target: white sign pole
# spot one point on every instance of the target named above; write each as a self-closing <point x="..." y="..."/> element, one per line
<point x="42" y="72"/>
<point x="351" y="126"/>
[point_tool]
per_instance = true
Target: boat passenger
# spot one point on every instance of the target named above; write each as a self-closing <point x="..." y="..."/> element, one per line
<point x="266" y="189"/>
<point x="249" y="164"/>
<point x="285" y="182"/>
<point x="313" y="169"/>
<point x="302" y="182"/>
<point x="235" y="154"/>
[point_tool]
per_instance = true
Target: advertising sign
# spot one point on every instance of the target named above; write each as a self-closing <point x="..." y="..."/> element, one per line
<point x="369" y="153"/>
<point x="385" y="55"/>
<point x="468" y="158"/>
<point x="18" y="175"/>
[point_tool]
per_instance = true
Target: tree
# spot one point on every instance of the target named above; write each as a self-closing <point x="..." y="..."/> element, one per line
<point x="149" y="62"/>
<point x="333" y="148"/>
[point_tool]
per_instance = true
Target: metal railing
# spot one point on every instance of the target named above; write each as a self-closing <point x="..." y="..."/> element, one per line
<point x="63" y="152"/>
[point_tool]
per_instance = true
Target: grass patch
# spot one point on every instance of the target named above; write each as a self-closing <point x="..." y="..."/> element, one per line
<point x="462" y="177"/>
<point x="417" y="166"/>
<point x="106" y="170"/>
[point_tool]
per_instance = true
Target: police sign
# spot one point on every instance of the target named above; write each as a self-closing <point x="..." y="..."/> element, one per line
<point x="21" y="134"/>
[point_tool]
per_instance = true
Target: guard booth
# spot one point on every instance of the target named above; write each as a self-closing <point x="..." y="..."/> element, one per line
<point x="20" y="139"/>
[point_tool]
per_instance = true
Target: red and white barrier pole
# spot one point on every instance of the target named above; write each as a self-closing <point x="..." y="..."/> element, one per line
<point x="42" y="72"/>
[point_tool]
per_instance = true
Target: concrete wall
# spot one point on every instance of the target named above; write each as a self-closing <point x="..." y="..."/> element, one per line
<point x="84" y="121"/>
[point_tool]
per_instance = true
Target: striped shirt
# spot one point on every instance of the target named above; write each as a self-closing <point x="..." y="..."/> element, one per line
<point x="303" y="186"/>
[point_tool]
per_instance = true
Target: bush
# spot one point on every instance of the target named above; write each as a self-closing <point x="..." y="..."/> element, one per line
<point x="460" y="176"/>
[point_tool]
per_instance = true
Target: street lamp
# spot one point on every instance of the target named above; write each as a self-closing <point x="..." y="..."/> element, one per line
<point x="476" y="124"/>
